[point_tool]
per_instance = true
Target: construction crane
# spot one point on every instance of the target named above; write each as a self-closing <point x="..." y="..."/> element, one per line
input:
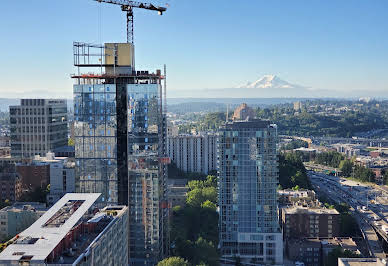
<point x="127" y="6"/>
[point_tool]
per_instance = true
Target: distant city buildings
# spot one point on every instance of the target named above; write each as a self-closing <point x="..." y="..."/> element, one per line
<point x="243" y="112"/>
<point x="193" y="153"/>
<point x="349" y="150"/>
<point x="248" y="178"/>
<point x="298" y="106"/>
<point x="18" y="217"/>
<point x="38" y="126"/>
<point x="73" y="232"/>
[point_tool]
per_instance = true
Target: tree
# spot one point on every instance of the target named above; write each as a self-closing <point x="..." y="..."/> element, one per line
<point x="332" y="256"/>
<point x="292" y="172"/>
<point x="70" y="142"/>
<point x="346" y="166"/>
<point x="173" y="261"/>
<point x="209" y="205"/>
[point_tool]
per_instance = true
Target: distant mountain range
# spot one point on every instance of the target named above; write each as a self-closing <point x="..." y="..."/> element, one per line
<point x="272" y="86"/>
<point x="269" y="82"/>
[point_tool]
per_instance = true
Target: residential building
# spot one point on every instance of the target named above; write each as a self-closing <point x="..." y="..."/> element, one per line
<point x="177" y="192"/>
<point x="62" y="177"/>
<point x="18" y="217"/>
<point x="345" y="243"/>
<point x="248" y="178"/>
<point x="120" y="137"/>
<point x="349" y="150"/>
<point x="38" y="126"/>
<point x="243" y="112"/>
<point x="194" y="153"/>
<point x="308" y="251"/>
<point x="172" y="130"/>
<point x="33" y="174"/>
<point x="314" y="251"/>
<point x="10" y="182"/>
<point x="309" y="221"/>
<point x="290" y="196"/>
<point x="73" y="232"/>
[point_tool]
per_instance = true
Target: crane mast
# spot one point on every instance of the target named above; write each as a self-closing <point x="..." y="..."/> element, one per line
<point x="128" y="6"/>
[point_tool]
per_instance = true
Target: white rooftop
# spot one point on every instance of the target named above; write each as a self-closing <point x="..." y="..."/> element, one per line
<point x="48" y="237"/>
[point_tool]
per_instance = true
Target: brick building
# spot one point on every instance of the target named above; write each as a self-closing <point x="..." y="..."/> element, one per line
<point x="302" y="222"/>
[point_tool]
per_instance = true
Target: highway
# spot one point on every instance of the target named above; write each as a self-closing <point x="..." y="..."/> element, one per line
<point x="368" y="206"/>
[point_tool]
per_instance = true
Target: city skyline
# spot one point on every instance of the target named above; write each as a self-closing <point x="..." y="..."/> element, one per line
<point x="323" y="45"/>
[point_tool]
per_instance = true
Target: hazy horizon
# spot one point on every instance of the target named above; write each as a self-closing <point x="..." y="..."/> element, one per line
<point x="325" y="45"/>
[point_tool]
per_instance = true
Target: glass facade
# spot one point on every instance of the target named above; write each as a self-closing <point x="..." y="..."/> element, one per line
<point x="146" y="174"/>
<point x="248" y="178"/>
<point x="95" y="131"/>
<point x="119" y="131"/>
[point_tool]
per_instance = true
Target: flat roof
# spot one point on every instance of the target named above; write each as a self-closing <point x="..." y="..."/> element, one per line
<point x="45" y="233"/>
<point x="360" y="261"/>
<point x="309" y="210"/>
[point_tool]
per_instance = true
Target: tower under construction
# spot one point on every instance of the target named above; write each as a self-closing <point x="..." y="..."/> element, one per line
<point x="120" y="142"/>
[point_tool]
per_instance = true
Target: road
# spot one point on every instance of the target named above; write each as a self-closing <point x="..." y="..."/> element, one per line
<point x="370" y="217"/>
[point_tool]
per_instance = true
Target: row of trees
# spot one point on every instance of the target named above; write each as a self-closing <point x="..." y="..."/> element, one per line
<point x="362" y="173"/>
<point x="330" y="158"/>
<point x="194" y="229"/>
<point x="292" y="172"/>
<point x="295" y="144"/>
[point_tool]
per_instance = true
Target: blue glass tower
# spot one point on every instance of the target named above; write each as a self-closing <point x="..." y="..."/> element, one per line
<point x="248" y="178"/>
<point x="120" y="143"/>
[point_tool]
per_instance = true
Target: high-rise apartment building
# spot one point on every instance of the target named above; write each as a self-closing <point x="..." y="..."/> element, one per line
<point x="248" y="178"/>
<point x="38" y="126"/>
<point x="193" y="153"/>
<point x="120" y="136"/>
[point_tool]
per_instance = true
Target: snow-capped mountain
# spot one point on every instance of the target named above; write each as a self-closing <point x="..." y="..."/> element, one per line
<point x="269" y="82"/>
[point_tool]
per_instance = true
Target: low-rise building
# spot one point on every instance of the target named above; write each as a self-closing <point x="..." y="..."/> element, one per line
<point x="41" y="171"/>
<point x="314" y="251"/>
<point x="73" y="232"/>
<point x="315" y="221"/>
<point x="177" y="192"/>
<point x="345" y="243"/>
<point x="5" y="151"/>
<point x="18" y="217"/>
<point x="307" y="251"/>
<point x="290" y="196"/>
<point x="62" y="178"/>
<point x="65" y="151"/>
<point x="361" y="262"/>
<point x="10" y="183"/>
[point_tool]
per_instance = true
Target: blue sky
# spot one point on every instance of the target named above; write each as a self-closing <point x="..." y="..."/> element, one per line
<point x="326" y="44"/>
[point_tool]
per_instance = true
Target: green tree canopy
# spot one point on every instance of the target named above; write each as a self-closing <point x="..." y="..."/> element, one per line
<point x="173" y="261"/>
<point x="346" y="166"/>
